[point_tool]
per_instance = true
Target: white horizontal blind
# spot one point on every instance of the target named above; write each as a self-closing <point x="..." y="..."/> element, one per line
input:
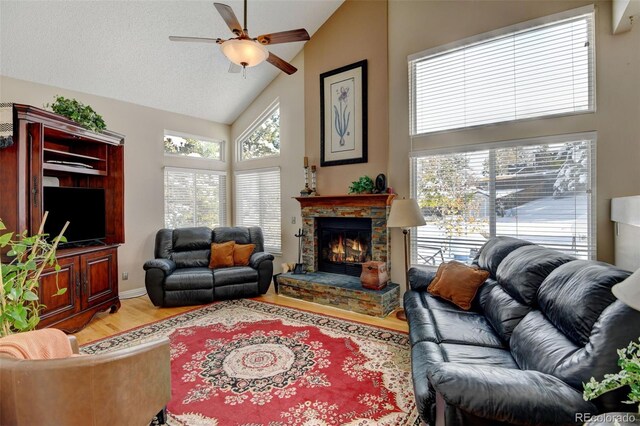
<point x="258" y="204"/>
<point x="546" y="69"/>
<point x="194" y="198"/>
<point x="540" y="192"/>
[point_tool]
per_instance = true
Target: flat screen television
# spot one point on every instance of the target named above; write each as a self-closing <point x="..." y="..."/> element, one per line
<point x="84" y="208"/>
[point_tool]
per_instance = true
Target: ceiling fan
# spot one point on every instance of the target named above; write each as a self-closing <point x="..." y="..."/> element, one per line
<point x="244" y="51"/>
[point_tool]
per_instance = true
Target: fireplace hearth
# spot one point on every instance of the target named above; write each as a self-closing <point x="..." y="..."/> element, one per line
<point x="344" y="244"/>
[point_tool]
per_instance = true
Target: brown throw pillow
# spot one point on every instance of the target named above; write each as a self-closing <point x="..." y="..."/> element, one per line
<point x="221" y="255"/>
<point x="242" y="253"/>
<point x="457" y="283"/>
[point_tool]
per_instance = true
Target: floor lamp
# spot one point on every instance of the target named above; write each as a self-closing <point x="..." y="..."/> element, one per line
<point x="405" y="214"/>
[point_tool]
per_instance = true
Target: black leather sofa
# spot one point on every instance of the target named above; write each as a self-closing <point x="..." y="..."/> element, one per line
<point x="542" y="324"/>
<point x="180" y="275"/>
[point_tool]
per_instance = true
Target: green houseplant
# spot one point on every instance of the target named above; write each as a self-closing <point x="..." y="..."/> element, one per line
<point x="82" y="114"/>
<point x="629" y="375"/>
<point x="364" y="185"/>
<point x="30" y="255"/>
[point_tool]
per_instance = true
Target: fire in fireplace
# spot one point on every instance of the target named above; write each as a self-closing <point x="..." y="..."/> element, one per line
<point x="344" y="244"/>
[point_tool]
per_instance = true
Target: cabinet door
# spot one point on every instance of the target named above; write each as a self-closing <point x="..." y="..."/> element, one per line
<point x="99" y="276"/>
<point x="35" y="176"/>
<point x="64" y="305"/>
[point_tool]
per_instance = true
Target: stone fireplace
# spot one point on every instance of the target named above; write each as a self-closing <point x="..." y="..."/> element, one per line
<point x="340" y="233"/>
<point x="359" y="216"/>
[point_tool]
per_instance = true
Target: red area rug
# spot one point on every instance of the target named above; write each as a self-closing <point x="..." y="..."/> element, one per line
<point x="245" y="362"/>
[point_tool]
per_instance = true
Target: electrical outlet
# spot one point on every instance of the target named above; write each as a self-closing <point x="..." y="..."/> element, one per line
<point x="125" y="276"/>
<point x="293" y="220"/>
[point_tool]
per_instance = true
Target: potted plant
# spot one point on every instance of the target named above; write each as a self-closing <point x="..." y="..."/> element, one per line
<point x="364" y="185"/>
<point x="19" y="307"/>
<point x="629" y="375"/>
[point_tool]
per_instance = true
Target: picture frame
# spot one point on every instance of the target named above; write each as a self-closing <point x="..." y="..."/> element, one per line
<point x="343" y="115"/>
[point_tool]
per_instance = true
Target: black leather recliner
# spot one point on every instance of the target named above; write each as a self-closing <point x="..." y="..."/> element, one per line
<point x="542" y="324"/>
<point x="180" y="275"/>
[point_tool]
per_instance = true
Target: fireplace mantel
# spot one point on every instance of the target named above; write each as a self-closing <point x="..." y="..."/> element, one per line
<point x="373" y="206"/>
<point x="352" y="200"/>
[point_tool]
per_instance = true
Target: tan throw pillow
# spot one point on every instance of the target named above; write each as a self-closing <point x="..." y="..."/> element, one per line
<point x="242" y="253"/>
<point x="221" y="255"/>
<point x="457" y="283"/>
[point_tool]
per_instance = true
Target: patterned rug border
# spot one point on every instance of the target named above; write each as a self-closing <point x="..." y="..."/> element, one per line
<point x="397" y="337"/>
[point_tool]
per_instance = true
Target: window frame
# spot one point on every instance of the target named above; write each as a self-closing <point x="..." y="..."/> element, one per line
<point x="273" y="250"/>
<point x="223" y="205"/>
<point x="543" y="140"/>
<point x="221" y="143"/>
<point x="273" y="106"/>
<point x="495" y="34"/>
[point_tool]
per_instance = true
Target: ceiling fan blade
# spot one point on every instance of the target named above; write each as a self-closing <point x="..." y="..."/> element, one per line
<point x="234" y="68"/>
<point x="281" y="63"/>
<point x="230" y="18"/>
<point x="284" y="37"/>
<point x="195" y="39"/>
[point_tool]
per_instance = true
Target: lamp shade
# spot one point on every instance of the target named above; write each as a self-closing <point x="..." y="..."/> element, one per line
<point x="628" y="291"/>
<point x="246" y="53"/>
<point x="405" y="213"/>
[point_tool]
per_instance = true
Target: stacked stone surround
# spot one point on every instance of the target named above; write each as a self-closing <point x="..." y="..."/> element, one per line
<point x="340" y="291"/>
<point x="375" y="207"/>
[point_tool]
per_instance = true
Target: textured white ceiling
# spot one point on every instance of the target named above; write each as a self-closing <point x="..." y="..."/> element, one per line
<point x="120" y="49"/>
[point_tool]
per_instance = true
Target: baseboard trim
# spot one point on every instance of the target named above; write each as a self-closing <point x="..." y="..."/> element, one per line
<point x="130" y="294"/>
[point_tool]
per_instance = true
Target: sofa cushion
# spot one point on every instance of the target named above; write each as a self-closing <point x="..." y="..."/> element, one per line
<point x="495" y="250"/>
<point x="574" y="295"/>
<point x="242" y="253"/>
<point x="503" y="311"/>
<point x="221" y="255"/>
<point x="457" y="283"/>
<point x="189" y="278"/>
<point x="239" y="234"/>
<point x="522" y="271"/>
<point x="196" y="238"/>
<point x="191" y="259"/>
<point x="467" y="328"/>
<point x="234" y="275"/>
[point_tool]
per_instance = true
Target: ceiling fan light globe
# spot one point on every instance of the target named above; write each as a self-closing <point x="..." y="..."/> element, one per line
<point x="246" y="53"/>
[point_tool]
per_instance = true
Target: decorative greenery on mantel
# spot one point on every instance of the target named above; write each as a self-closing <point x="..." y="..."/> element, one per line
<point x="364" y="185"/>
<point x="82" y="114"/>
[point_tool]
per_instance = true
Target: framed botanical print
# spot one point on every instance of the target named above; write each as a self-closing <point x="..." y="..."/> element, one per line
<point x="343" y="119"/>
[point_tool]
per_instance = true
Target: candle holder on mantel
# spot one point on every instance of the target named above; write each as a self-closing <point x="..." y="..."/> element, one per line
<point x="306" y="191"/>
<point x="314" y="191"/>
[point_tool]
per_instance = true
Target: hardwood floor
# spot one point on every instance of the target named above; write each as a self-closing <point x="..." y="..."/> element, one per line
<point x="139" y="311"/>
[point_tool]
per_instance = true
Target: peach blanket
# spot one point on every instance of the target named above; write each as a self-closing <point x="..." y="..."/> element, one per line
<point x="48" y="343"/>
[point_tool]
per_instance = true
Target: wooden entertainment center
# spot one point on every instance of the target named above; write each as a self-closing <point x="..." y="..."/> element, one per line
<point x="51" y="150"/>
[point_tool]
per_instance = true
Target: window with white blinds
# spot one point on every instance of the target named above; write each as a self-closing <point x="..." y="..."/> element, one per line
<point x="257" y="197"/>
<point x="539" y="190"/>
<point x="194" y="198"/>
<point x="539" y="68"/>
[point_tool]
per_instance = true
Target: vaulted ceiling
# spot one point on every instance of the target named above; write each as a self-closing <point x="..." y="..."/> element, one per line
<point x="120" y="49"/>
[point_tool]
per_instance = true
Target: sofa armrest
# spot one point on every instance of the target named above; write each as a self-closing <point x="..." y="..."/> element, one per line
<point x="166" y="265"/>
<point x="421" y="276"/>
<point x="509" y="395"/>
<point x="257" y="258"/>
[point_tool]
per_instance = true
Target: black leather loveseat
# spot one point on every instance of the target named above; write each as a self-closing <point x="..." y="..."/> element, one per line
<point x="180" y="275"/>
<point x="541" y="325"/>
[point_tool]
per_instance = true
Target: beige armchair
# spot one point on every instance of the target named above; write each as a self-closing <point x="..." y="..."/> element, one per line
<point x="124" y="387"/>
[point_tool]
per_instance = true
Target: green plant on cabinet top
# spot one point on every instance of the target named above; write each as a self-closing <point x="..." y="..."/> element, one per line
<point x="82" y="114"/>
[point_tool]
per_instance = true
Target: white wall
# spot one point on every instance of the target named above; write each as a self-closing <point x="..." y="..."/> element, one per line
<point x="289" y="90"/>
<point x="144" y="161"/>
